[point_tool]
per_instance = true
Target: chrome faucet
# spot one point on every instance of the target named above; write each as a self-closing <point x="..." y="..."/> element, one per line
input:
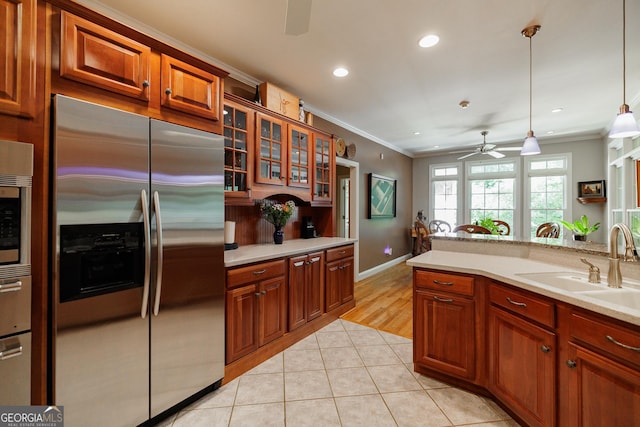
<point x="614" y="277"/>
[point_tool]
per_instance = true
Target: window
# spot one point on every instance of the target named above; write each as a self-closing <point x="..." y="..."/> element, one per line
<point x="547" y="190"/>
<point x="444" y="195"/>
<point x="492" y="190"/>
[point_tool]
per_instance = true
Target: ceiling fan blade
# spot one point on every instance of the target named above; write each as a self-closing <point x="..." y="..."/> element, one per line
<point x="495" y="154"/>
<point x="465" y="151"/>
<point x="488" y="147"/>
<point x="297" y="17"/>
<point x="508" y="149"/>
<point x="468" y="155"/>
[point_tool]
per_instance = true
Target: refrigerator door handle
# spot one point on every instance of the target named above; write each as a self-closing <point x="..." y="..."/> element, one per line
<point x="156" y="207"/>
<point x="147" y="253"/>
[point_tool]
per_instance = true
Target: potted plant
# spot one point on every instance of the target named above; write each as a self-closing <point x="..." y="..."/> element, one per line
<point x="581" y="228"/>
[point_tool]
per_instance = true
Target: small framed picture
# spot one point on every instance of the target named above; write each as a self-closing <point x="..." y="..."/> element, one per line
<point x="592" y="189"/>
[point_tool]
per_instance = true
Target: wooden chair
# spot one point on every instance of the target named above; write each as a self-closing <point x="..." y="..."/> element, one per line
<point x="439" y="226"/>
<point x="472" y="229"/>
<point x="548" y="229"/>
<point x="422" y="242"/>
<point x="504" y="229"/>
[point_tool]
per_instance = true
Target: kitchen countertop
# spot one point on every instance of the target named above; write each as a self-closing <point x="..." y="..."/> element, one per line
<point x="248" y="254"/>
<point x="507" y="269"/>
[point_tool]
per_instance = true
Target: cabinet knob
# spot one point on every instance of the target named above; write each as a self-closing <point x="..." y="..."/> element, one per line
<point x="257" y="294"/>
<point x="167" y="91"/>
<point x="263" y="292"/>
<point x="145" y="83"/>
<point x="545" y="348"/>
<point x="571" y="363"/>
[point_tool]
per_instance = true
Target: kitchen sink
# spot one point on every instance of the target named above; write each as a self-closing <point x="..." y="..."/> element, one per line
<point x="623" y="296"/>
<point x="568" y="281"/>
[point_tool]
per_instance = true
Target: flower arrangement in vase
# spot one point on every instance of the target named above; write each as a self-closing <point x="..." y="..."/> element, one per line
<point x="277" y="214"/>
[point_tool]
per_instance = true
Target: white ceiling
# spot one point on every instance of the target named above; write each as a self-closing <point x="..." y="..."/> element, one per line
<point x="396" y="88"/>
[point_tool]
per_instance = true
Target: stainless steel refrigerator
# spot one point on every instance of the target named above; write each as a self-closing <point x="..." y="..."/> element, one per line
<point x="138" y="269"/>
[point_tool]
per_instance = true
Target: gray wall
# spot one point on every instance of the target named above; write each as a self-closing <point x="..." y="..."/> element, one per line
<point x="588" y="164"/>
<point x="376" y="234"/>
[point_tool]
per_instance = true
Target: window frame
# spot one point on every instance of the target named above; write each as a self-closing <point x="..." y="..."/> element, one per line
<point x="458" y="178"/>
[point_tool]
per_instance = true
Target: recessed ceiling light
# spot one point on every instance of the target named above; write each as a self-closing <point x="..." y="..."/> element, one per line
<point x="556" y="110"/>
<point x="549" y="132"/>
<point x="340" y="72"/>
<point x="416" y="133"/>
<point x="428" y="40"/>
<point x="436" y="146"/>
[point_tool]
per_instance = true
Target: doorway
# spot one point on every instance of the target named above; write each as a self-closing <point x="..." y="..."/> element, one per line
<point x="347" y="180"/>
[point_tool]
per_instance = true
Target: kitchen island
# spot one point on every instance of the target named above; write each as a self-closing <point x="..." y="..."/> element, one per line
<point x="519" y="320"/>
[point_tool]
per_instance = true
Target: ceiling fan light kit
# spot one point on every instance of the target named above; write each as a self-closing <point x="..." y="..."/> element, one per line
<point x="625" y="124"/>
<point x="530" y="146"/>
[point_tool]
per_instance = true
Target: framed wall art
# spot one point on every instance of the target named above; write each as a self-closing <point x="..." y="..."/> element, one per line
<point x="592" y="189"/>
<point x="382" y="197"/>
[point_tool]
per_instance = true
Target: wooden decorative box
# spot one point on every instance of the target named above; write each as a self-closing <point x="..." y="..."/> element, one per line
<point x="279" y="100"/>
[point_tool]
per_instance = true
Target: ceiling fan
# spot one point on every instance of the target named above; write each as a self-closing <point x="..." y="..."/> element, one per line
<point x="485" y="148"/>
<point x="297" y="17"/>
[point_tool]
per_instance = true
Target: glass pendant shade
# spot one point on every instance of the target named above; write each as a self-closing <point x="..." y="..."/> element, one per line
<point x="530" y="146"/>
<point x="625" y="125"/>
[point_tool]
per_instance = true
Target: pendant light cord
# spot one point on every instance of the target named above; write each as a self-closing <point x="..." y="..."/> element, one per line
<point x="531" y="84"/>
<point x="624" y="50"/>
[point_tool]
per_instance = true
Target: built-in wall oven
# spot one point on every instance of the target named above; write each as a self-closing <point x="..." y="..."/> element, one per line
<point x="16" y="173"/>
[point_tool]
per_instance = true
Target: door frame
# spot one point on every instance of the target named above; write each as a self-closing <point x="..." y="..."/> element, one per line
<point x="354" y="217"/>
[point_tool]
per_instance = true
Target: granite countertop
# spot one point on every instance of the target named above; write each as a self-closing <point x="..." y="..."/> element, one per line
<point x="508" y="269"/>
<point x="248" y="254"/>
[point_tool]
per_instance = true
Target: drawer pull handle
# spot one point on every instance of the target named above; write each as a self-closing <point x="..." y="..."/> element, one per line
<point x="572" y="364"/>
<point x="298" y="264"/>
<point x="438" y="282"/>
<point x="437" y="298"/>
<point x="342" y="252"/>
<point x="11" y="287"/>
<point x="519" y="304"/>
<point x="259" y="272"/>
<point x="628" y="347"/>
<point x="11" y="352"/>
<point x="545" y="348"/>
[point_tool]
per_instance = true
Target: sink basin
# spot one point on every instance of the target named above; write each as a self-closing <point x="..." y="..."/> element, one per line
<point x="623" y="296"/>
<point x="568" y="281"/>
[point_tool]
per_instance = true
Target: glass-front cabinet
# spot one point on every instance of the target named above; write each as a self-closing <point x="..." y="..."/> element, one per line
<point x="323" y="157"/>
<point x="299" y="154"/>
<point x="238" y="134"/>
<point x="271" y="150"/>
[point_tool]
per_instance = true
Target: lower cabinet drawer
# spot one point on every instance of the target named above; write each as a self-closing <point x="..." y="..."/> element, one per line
<point x="444" y="282"/>
<point x="525" y="304"/>
<point x="243" y="275"/>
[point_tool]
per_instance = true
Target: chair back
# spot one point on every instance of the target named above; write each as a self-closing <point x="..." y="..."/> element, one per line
<point x="437" y="225"/>
<point x="472" y="229"/>
<point x="503" y="228"/>
<point x="548" y="229"/>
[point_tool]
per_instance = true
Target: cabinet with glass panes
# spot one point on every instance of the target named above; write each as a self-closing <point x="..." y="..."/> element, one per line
<point x="271" y="150"/>
<point x="298" y="165"/>
<point x="238" y="123"/>
<point x="324" y="159"/>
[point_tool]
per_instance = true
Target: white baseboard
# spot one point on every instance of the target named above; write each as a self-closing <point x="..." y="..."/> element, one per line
<point x="380" y="268"/>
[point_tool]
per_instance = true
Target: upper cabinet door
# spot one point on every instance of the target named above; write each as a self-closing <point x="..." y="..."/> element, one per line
<point x="103" y="58"/>
<point x="190" y="89"/>
<point x="18" y="57"/>
<point x="299" y="156"/>
<point x="323" y="170"/>
<point x="271" y="150"/>
<point x="238" y="129"/>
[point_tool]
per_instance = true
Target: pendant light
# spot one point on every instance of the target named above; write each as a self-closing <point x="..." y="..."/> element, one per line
<point x="530" y="146"/>
<point x="625" y="125"/>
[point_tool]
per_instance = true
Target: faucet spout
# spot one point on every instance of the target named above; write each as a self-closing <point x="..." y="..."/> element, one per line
<point x="614" y="277"/>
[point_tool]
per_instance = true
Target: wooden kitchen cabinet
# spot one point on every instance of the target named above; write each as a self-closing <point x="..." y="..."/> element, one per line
<point x="271" y="150"/>
<point x="306" y="288"/>
<point x="522" y="354"/>
<point x="339" y="277"/>
<point x="256" y="309"/>
<point x="299" y="155"/>
<point x="323" y="170"/>
<point x="238" y="131"/>
<point x="190" y="89"/>
<point x="602" y="370"/>
<point x="444" y="329"/>
<point x="97" y="56"/>
<point x="18" y="57"/>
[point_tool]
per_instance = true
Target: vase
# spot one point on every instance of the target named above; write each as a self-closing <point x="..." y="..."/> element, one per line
<point x="278" y="236"/>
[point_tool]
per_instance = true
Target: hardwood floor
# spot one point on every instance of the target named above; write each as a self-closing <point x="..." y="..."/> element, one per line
<point x="384" y="301"/>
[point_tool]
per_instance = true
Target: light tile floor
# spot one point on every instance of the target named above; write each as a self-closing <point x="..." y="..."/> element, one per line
<point x="346" y="375"/>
